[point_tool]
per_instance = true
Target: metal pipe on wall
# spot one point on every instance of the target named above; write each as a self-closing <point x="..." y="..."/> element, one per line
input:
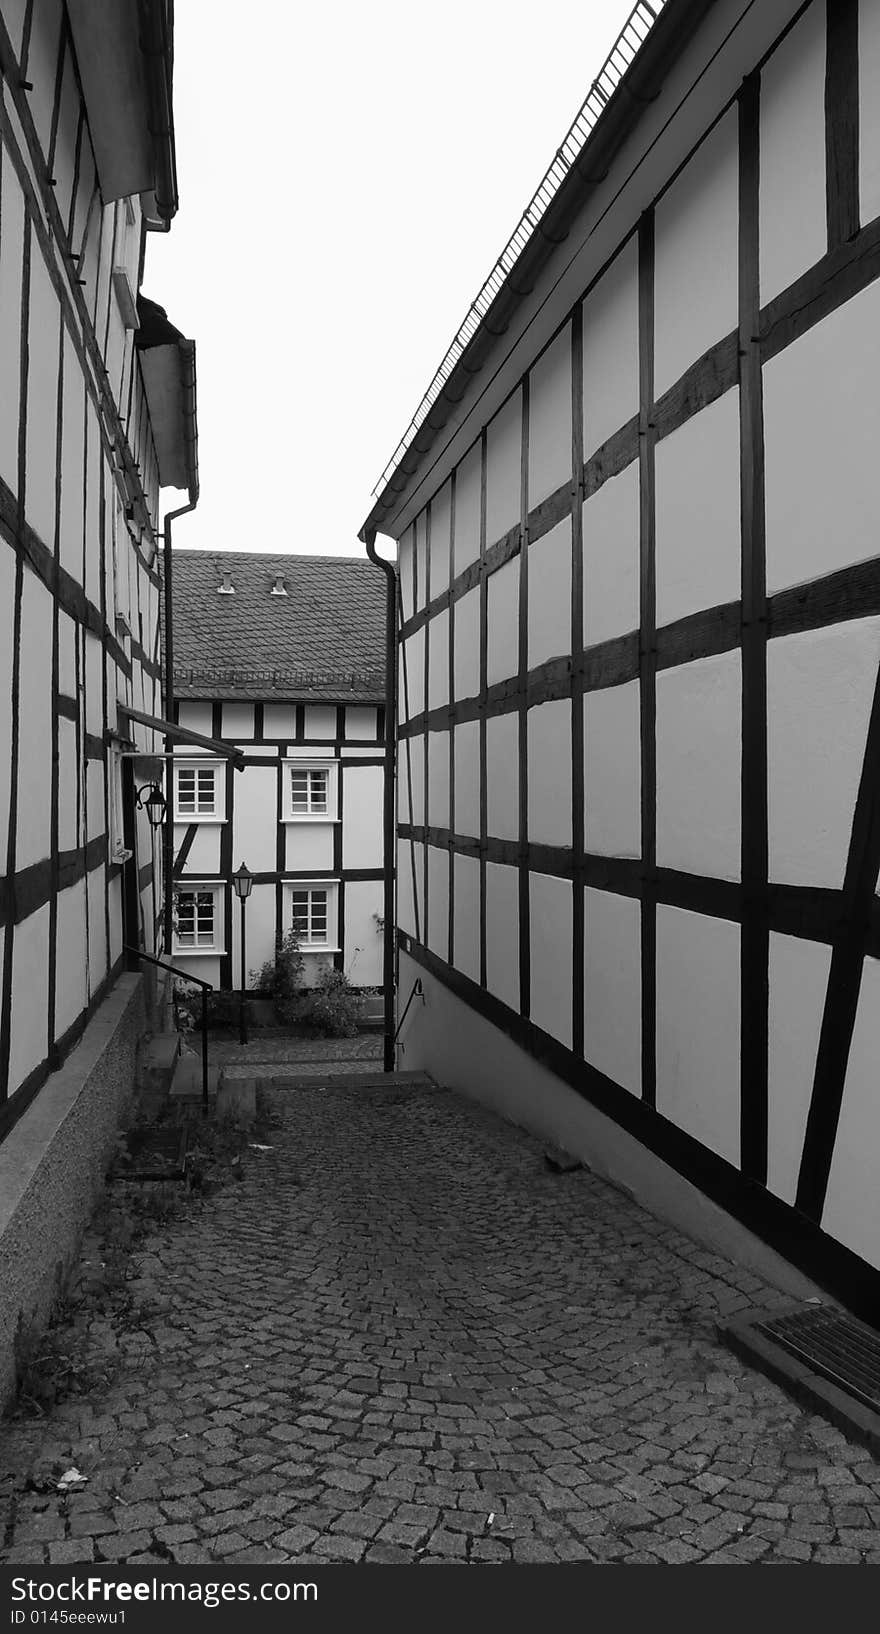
<point x="388" y="568"/>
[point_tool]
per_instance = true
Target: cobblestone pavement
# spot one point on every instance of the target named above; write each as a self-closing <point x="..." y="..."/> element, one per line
<point x="402" y="1338"/>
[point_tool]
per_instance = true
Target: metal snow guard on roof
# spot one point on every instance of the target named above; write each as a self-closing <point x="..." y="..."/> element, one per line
<point x="622" y="54"/>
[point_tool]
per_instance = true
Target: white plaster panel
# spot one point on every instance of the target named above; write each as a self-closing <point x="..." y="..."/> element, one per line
<point x="549" y="589"/>
<point x="467" y="778"/>
<point x="362" y="817"/>
<point x="95" y="824"/>
<point x="308" y="846"/>
<point x="441" y="542"/>
<point x="696" y="255"/>
<point x="94" y="461"/>
<point x="68" y="779"/>
<point x="613" y="987"/>
<point x="821" y="445"/>
<point x="852" y="1203"/>
<point x="612" y="771"/>
<point x="502" y="652"/>
<point x="405" y="565"/>
<point x="206" y="968"/>
<point x="698" y="512"/>
<point x="255" y="818"/>
<point x="550" y="447"/>
<point x="405" y="915"/>
<point x="502" y="933"/>
<point x="363" y="937"/>
<point x="438" y="660"/>
<point x="549" y="742"/>
<point x="71" y="964"/>
<point x="259" y="931"/>
<point x="468" y="482"/>
<point x="869" y="110"/>
<point x="466" y="913"/>
<point x="320" y="722"/>
<point x="94" y="675"/>
<point x="42" y="400"/>
<point x="279" y="720"/>
<point x="72" y="457"/>
<point x="550" y="930"/>
<point x="792" y="226"/>
<point x="11" y="251"/>
<point x="698" y="1034"/>
<point x="7" y="612"/>
<point x="13" y="18"/>
<point x="412" y="770"/>
<point x="502" y="776"/>
<point x="819" y="690"/>
<point x="504" y="469"/>
<point x="237" y="721"/>
<point x="348" y="753"/>
<point x="42" y="63"/>
<point x="611" y="349"/>
<point x="95" y="896"/>
<point x="359" y="724"/>
<point x="699" y="754"/>
<point x="30" y="996"/>
<point x="438" y="779"/>
<point x="798" y="982"/>
<point x="35" y="725"/>
<point x="204" y="854"/>
<point x="421" y="564"/>
<point x="412" y="687"/>
<point x="437" y="936"/>
<point x="611" y="557"/>
<point x="196" y="718"/>
<point x="467" y="645"/>
<point x="114" y="901"/>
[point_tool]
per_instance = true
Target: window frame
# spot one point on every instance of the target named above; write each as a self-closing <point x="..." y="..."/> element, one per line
<point x="184" y="886"/>
<point x="331" y="887"/>
<point x="196" y="764"/>
<point x="293" y="764"/>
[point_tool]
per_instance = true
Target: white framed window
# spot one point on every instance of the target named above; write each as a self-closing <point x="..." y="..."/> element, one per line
<point x="312" y="913"/>
<point x="309" y="791"/>
<point x="198" y="791"/>
<point x="198" y="916"/>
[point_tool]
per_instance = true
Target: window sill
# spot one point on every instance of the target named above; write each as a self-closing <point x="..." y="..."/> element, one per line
<point x="184" y="818"/>
<point x="198" y="952"/>
<point x="313" y="947"/>
<point x="325" y="819"/>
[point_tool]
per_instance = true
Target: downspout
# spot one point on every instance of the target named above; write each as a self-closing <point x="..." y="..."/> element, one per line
<point x="388" y="569"/>
<point x="188" y="350"/>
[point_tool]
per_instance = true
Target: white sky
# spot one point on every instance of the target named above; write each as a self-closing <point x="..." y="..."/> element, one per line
<point x="348" y="174"/>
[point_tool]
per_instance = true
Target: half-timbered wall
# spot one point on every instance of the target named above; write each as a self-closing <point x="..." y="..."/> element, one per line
<point x="639" y="701"/>
<point x="79" y="590"/>
<point x="339" y="852"/>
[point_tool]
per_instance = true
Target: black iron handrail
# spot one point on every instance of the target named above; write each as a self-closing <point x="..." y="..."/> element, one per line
<point x="206" y="987"/>
<point x="417" y="992"/>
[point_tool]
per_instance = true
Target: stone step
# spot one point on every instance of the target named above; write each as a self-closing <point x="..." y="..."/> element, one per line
<point x="186" y="1083"/>
<point x="157" y="1059"/>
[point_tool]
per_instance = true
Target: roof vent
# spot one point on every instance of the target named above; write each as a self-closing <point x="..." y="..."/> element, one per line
<point x="227" y="588"/>
<point x="278" y="587"/>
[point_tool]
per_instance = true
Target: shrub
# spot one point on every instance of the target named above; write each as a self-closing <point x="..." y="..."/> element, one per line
<point x="332" y="1008"/>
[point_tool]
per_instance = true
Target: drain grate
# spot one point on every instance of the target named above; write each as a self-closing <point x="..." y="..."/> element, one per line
<point x="834" y="1345"/>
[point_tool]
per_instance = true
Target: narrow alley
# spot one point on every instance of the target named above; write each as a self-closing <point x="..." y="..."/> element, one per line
<point x="403" y="1337"/>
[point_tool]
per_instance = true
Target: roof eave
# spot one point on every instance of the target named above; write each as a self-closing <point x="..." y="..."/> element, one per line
<point x="640" y="85"/>
<point x="124" y="53"/>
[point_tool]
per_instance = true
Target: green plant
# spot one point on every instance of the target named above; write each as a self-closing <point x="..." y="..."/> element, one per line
<point x="332" y="1008"/>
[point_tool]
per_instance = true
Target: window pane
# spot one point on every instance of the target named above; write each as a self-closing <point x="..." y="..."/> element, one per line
<point x="186" y="791"/>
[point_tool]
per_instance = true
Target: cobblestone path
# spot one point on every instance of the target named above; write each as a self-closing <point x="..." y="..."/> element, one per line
<point x="402" y="1338"/>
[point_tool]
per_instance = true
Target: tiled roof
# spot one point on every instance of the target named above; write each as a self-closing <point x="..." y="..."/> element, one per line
<point x="324" y="640"/>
